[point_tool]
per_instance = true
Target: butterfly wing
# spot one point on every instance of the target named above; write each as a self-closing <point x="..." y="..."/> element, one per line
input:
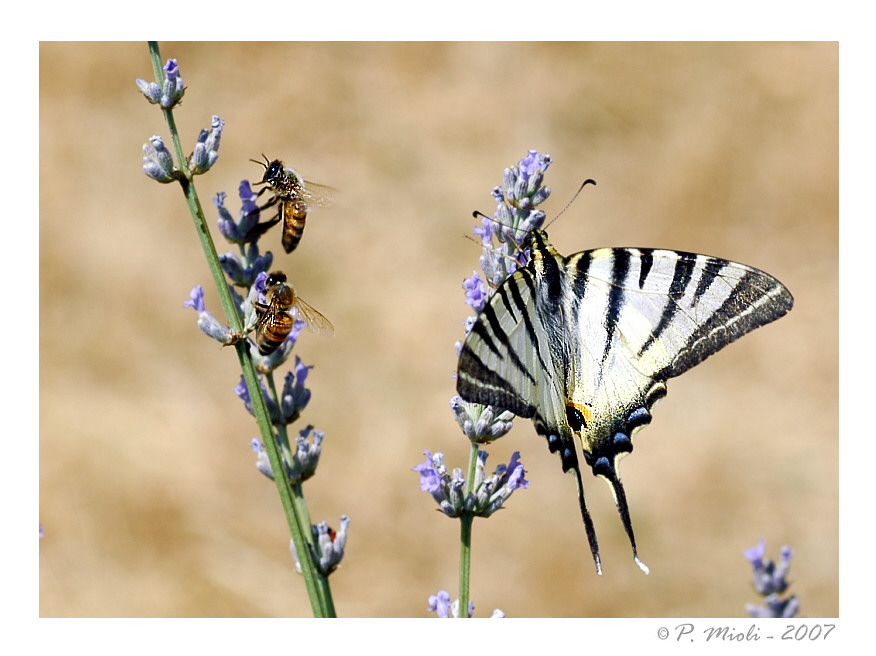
<point x="515" y="357"/>
<point x="584" y="344"/>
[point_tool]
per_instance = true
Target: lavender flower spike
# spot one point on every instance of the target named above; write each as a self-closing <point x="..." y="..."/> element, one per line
<point x="441" y="605"/>
<point x="487" y="493"/>
<point x="770" y="582"/>
<point x="480" y="423"/>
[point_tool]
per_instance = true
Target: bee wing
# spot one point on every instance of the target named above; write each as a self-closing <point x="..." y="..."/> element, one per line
<point x="313" y="317"/>
<point x="255" y="315"/>
<point x="317" y="195"/>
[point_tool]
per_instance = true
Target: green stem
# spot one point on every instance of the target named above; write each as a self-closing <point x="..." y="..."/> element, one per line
<point x="301" y="531"/>
<point x="464" y="562"/>
<point x="466" y="521"/>
<point x="302" y="514"/>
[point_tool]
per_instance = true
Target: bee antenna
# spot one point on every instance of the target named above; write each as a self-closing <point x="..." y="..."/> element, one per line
<point x="265" y="163"/>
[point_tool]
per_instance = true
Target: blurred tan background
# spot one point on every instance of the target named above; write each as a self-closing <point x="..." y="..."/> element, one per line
<point x="149" y="496"/>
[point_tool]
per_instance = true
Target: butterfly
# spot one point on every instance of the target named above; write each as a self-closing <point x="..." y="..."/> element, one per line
<point x="584" y="345"/>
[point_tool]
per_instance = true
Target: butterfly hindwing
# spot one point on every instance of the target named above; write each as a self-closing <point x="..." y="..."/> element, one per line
<point x="584" y="344"/>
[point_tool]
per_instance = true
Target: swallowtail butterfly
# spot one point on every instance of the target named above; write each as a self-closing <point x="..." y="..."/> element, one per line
<point x="584" y="345"/>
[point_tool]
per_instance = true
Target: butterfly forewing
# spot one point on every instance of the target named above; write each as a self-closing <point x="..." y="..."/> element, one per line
<point x="660" y="313"/>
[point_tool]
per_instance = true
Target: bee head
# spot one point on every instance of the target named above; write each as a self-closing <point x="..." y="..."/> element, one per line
<point x="273" y="169"/>
<point x="275" y="278"/>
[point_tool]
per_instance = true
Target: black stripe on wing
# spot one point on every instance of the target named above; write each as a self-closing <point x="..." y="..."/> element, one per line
<point x="756" y="300"/>
<point x="507" y="382"/>
<point x="620" y="268"/>
<point x="685" y="266"/>
<point x="477" y="383"/>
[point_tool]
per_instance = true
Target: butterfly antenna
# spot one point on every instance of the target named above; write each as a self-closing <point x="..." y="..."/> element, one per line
<point x="569" y="204"/>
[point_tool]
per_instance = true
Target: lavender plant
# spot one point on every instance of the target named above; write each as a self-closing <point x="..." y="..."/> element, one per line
<point x="474" y="494"/>
<point x="770" y="582"/>
<point x="274" y="408"/>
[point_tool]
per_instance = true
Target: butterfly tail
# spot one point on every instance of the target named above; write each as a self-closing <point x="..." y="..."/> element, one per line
<point x="588" y="522"/>
<point x="610" y="474"/>
<point x="566" y="449"/>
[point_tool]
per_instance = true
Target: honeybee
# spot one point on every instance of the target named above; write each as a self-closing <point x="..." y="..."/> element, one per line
<point x="274" y="323"/>
<point x="294" y="196"/>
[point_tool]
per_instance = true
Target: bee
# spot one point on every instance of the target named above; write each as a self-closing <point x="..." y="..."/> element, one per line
<point x="293" y="196"/>
<point x="273" y="321"/>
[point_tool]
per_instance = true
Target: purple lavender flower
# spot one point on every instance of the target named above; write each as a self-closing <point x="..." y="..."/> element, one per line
<point x="209" y="324"/>
<point x="441" y="605"/>
<point x="151" y="90"/>
<point x="249" y="209"/>
<point x="475" y="292"/>
<point x="480" y="423"/>
<point x="295" y="395"/>
<point x="301" y="464"/>
<point x="487" y="494"/>
<point x="775" y="607"/>
<point x="485" y="230"/>
<point x="492" y="492"/>
<point x="263" y="462"/>
<point x="158" y="162"/>
<point x="243" y="269"/>
<point x="329" y="546"/>
<point x="242" y="392"/>
<point x="246" y="229"/>
<point x="446" y="489"/>
<point x="431" y="472"/>
<point x="306" y="456"/>
<point x="170" y="92"/>
<point x="206" y="150"/>
<point x="174" y="88"/>
<point x="770" y="582"/>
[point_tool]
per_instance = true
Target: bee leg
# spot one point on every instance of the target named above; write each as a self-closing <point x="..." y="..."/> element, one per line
<point x="234" y="338"/>
<point x="270" y="203"/>
<point x="261" y="228"/>
<point x="273" y="201"/>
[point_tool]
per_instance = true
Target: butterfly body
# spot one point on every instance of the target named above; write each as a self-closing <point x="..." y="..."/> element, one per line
<point x="584" y="344"/>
